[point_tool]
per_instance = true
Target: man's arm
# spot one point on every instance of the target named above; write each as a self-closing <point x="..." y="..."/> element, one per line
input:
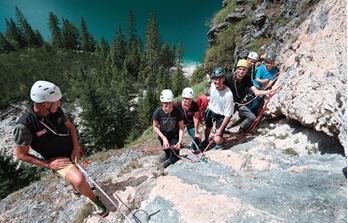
<point x="220" y="131"/>
<point x="196" y="122"/>
<point x="258" y="92"/>
<point x="75" y="156"/>
<point x="166" y="144"/>
<point x="181" y="134"/>
<point x="22" y="153"/>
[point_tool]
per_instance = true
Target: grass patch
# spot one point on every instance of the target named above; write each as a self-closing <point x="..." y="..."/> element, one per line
<point x="134" y="164"/>
<point x="290" y="151"/>
<point x="102" y="156"/>
<point x="282" y="136"/>
<point x="256" y="44"/>
<point x="220" y="16"/>
<point x="313" y="149"/>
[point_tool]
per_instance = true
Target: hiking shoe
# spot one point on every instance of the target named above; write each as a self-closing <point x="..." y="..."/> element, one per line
<point x="203" y="144"/>
<point x="100" y="208"/>
<point x="167" y="163"/>
<point x="218" y="146"/>
<point x="76" y="193"/>
<point x="196" y="151"/>
<point x="163" y="158"/>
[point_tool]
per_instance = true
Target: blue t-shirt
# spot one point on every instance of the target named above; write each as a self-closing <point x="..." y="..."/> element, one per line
<point x="263" y="73"/>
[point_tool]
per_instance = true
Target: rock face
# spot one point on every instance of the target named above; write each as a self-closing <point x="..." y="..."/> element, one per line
<point x="285" y="173"/>
<point x="314" y="87"/>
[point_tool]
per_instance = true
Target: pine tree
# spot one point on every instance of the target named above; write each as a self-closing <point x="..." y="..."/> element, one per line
<point x="198" y="75"/>
<point x="163" y="81"/>
<point x="5" y="46"/>
<point x="150" y="72"/>
<point x="103" y="49"/>
<point x="152" y="45"/>
<point x="178" y="81"/>
<point x="134" y="52"/>
<point x="167" y="56"/>
<point x="39" y="39"/>
<point x="87" y="41"/>
<point x="180" y="53"/>
<point x="28" y="32"/>
<point x="117" y="52"/>
<point x="70" y="35"/>
<point x="14" y="35"/>
<point x="56" y="34"/>
<point x="14" y="177"/>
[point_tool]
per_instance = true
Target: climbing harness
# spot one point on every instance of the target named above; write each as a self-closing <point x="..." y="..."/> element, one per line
<point x="134" y="214"/>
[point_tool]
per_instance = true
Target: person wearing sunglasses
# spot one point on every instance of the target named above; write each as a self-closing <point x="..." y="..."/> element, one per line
<point x="45" y="129"/>
<point x="266" y="74"/>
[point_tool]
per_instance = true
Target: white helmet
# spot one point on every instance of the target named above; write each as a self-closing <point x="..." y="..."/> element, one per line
<point x="188" y="93"/>
<point x="167" y="96"/>
<point x="253" y="56"/>
<point x="44" y="91"/>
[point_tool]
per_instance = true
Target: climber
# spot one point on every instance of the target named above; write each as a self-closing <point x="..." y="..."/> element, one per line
<point x="240" y="84"/>
<point x="220" y="108"/>
<point x="190" y="110"/>
<point x="168" y="123"/>
<point x="45" y="129"/>
<point x="264" y="79"/>
<point x="252" y="59"/>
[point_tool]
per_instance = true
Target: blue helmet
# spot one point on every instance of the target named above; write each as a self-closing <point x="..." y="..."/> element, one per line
<point x="218" y="72"/>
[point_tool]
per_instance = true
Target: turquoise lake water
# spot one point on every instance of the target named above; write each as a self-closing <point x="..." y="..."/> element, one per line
<point x="177" y="20"/>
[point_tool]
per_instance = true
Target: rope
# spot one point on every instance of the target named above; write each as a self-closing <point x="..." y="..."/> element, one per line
<point x="136" y="219"/>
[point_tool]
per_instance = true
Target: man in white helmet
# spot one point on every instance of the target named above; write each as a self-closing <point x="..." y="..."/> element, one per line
<point x="191" y="113"/>
<point x="45" y="129"/>
<point x="252" y="58"/>
<point x="168" y="123"/>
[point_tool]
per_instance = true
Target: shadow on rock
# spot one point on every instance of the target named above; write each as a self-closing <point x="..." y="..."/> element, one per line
<point x="326" y="144"/>
<point x="111" y="188"/>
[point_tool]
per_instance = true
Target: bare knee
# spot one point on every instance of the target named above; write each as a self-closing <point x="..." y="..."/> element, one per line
<point x="218" y="140"/>
<point x="75" y="177"/>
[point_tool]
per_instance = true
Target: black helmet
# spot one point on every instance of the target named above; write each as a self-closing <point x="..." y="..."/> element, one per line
<point x="270" y="57"/>
<point x="217" y="72"/>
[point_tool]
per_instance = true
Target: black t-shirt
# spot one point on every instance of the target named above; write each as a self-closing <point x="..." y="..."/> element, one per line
<point x="188" y="114"/>
<point x="238" y="88"/>
<point x="168" y="122"/>
<point x="46" y="135"/>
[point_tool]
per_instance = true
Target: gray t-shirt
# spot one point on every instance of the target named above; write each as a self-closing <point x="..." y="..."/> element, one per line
<point x="22" y="135"/>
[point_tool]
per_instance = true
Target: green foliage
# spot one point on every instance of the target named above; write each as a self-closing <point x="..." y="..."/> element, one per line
<point x="256" y="44"/>
<point x="198" y="75"/>
<point x="179" y="81"/>
<point x="223" y="13"/>
<point x="88" y="43"/>
<point x="70" y="35"/>
<point x="31" y="37"/>
<point x="290" y="151"/>
<point x="221" y="53"/>
<point x="5" y="46"/>
<point x="56" y="34"/>
<point x="14" y="35"/>
<point x="103" y="49"/>
<point x="14" y="176"/>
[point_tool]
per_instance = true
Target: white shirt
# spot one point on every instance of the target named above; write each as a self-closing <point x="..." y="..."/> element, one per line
<point x="221" y="101"/>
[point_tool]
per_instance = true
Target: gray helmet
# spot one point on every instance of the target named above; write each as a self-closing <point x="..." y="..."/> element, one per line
<point x="270" y="57"/>
<point x="218" y="72"/>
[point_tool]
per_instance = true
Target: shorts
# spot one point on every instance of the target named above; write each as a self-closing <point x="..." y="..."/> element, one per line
<point x="64" y="171"/>
<point x="211" y="117"/>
